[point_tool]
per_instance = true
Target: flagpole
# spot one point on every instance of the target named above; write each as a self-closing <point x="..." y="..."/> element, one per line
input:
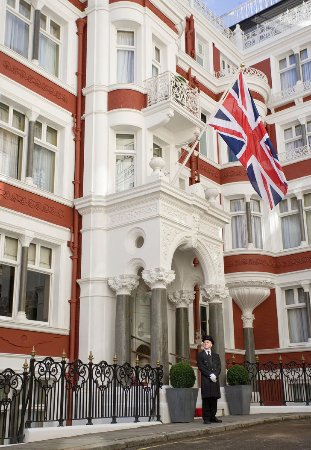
<point x="224" y="94"/>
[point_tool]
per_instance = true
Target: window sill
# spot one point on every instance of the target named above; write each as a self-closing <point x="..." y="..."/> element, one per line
<point x="30" y="325"/>
<point x="35" y="190"/>
<point x="28" y="63"/>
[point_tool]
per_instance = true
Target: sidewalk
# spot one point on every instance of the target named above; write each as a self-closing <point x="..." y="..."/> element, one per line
<point x="158" y="433"/>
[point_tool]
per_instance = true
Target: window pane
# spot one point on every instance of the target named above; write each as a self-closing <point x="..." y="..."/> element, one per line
<point x="257" y="233"/>
<point x="55" y="29"/>
<point x="307" y="199"/>
<point x="42" y="21"/>
<point x="48" y="55"/>
<point x="43" y="168"/>
<point x="255" y="205"/>
<point x="32" y="254"/>
<point x="124" y="172"/>
<point x="203" y="144"/>
<point x="10" y="147"/>
<point x="306" y="71"/>
<point x="45" y="257"/>
<point x="304" y="54"/>
<point x="293" y="203"/>
<point x="11" y="3"/>
<point x="37" y="296"/>
<point x="51" y="136"/>
<point x="297" y="325"/>
<point x="4" y="112"/>
<point x="157" y="54"/>
<point x="288" y="79"/>
<point x="10" y="249"/>
<point x="283" y="205"/>
<point x="282" y="64"/>
<point x="7" y="274"/>
<point x="125" y="38"/>
<point x="298" y="130"/>
<point x="125" y="142"/>
<point x="157" y="150"/>
<point x="301" y="296"/>
<point x="292" y="59"/>
<point x="125" y="66"/>
<point x="238" y="228"/>
<point x="16" y="34"/>
<point x="38" y="130"/>
<point x="288" y="134"/>
<point x="18" y="120"/>
<point x="24" y="9"/>
<point x="291" y="232"/>
<point x="308" y="220"/>
<point x="237" y="205"/>
<point x="155" y="71"/>
<point x="203" y="320"/>
<point x="289" y="297"/>
<point x="308" y="127"/>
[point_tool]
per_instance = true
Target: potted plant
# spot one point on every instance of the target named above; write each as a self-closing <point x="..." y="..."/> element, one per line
<point x="238" y="391"/>
<point x="182" y="396"/>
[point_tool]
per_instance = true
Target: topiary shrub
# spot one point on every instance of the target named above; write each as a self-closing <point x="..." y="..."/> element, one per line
<point x="237" y="374"/>
<point x="182" y="375"/>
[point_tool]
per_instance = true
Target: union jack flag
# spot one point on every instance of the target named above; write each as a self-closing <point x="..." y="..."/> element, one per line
<point x="240" y="125"/>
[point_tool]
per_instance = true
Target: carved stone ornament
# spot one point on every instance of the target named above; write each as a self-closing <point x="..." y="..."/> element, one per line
<point x="158" y="278"/>
<point x="249" y="294"/>
<point x="215" y="293"/>
<point x="248" y="319"/>
<point x="123" y="284"/>
<point x="182" y="298"/>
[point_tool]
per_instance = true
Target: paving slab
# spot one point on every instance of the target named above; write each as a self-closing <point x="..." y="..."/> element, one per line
<point x="127" y="438"/>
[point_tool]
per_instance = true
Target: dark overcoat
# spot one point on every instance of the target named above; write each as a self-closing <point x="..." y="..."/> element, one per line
<point x="207" y="366"/>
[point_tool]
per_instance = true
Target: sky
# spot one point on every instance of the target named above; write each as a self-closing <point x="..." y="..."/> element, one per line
<point x="222" y="6"/>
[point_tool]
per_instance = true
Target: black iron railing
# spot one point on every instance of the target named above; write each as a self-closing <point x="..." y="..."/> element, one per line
<point x="280" y="383"/>
<point x="59" y="391"/>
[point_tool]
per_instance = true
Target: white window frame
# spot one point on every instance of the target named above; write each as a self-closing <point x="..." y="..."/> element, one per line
<point x="124" y="47"/>
<point x="49" y="36"/>
<point x="156" y="63"/>
<point x="307" y="212"/>
<point x="295" y="137"/>
<point x="202" y="56"/>
<point x="8" y="126"/>
<point x="30" y="23"/>
<point x="226" y="66"/>
<point x="242" y="212"/>
<point x="48" y="146"/>
<point x="307" y="60"/>
<point x="125" y="153"/>
<point x="287" y="68"/>
<point x="295" y="305"/>
<point x="16" y="265"/>
<point x="39" y="269"/>
<point x="290" y="212"/>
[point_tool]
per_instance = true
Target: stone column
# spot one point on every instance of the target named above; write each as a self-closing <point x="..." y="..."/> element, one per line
<point x="25" y="241"/>
<point x="38" y="5"/>
<point x="215" y="295"/>
<point x="182" y="299"/>
<point x="158" y="279"/>
<point x="123" y="285"/>
<point x="32" y="117"/>
<point x="306" y="287"/>
<point x="248" y="295"/>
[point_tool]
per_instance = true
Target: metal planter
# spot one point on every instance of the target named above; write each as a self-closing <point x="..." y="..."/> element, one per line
<point x="182" y="403"/>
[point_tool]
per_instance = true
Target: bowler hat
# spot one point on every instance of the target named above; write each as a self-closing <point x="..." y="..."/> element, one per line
<point x="208" y="338"/>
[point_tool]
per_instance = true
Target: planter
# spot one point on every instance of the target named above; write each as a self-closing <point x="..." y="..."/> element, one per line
<point x="182" y="403"/>
<point x="239" y="398"/>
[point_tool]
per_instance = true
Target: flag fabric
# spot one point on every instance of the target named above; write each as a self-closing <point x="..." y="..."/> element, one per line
<point x="240" y="125"/>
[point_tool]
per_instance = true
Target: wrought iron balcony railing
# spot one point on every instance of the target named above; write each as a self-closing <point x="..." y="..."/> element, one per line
<point x="280" y="24"/>
<point x="296" y="153"/>
<point x="249" y="71"/>
<point x="301" y="88"/>
<point x="168" y="86"/>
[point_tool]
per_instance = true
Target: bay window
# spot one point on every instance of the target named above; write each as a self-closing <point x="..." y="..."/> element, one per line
<point x="49" y="45"/>
<point x="38" y="282"/>
<point x="44" y="156"/>
<point x="288" y="73"/>
<point x="290" y="222"/>
<point x="296" y="315"/>
<point x="17" y="26"/>
<point x="125" y="162"/>
<point x="293" y="138"/>
<point x="125" y="56"/>
<point x="12" y="127"/>
<point x="8" y="263"/>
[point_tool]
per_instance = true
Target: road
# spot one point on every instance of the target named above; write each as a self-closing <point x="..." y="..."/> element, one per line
<point x="290" y="435"/>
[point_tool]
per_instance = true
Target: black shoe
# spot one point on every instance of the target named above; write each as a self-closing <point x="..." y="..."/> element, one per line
<point x="216" y="420"/>
<point x="206" y="422"/>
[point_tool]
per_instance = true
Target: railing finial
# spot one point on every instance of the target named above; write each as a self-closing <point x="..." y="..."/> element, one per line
<point x="280" y="359"/>
<point x="137" y="359"/>
<point x="158" y="363"/>
<point x="33" y="352"/>
<point x="302" y="358"/>
<point x="25" y="365"/>
<point x="91" y="357"/>
<point x="115" y="359"/>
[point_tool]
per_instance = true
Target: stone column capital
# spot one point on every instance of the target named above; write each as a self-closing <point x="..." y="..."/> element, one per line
<point x="215" y="293"/>
<point x="158" y="278"/>
<point x="38" y="4"/>
<point x="248" y="319"/>
<point x="32" y="114"/>
<point x="26" y="239"/>
<point x="123" y="284"/>
<point x="249" y="294"/>
<point x="181" y="298"/>
<point x="305" y="284"/>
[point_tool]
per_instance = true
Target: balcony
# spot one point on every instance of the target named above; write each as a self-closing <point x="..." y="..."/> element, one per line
<point x="298" y="16"/>
<point x="293" y="93"/>
<point x="173" y="103"/>
<point x="297" y="153"/>
<point x="249" y="72"/>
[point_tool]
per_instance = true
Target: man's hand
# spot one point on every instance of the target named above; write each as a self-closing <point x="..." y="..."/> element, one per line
<point x="213" y="378"/>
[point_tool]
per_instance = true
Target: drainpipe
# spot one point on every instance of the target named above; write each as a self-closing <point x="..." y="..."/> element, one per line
<point x="74" y="244"/>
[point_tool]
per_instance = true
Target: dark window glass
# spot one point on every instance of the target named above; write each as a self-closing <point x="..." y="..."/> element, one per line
<point x="37" y="296"/>
<point x="6" y="289"/>
<point x="203" y="320"/>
